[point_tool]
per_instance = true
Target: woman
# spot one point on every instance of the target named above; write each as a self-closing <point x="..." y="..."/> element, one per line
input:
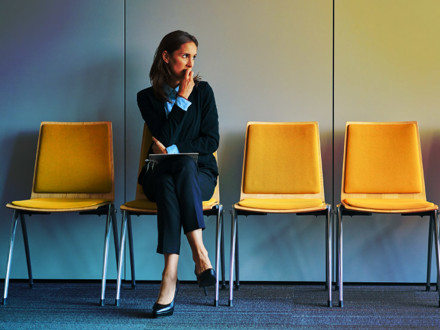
<point x="181" y="114"/>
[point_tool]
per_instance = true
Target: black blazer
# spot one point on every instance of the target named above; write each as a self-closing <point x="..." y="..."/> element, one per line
<point x="194" y="130"/>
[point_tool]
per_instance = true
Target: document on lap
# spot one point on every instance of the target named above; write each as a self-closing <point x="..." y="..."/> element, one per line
<point x="159" y="157"/>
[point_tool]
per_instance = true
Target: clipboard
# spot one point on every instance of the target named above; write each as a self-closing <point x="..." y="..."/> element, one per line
<point x="159" y="157"/>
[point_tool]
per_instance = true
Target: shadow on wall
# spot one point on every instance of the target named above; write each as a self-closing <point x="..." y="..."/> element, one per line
<point x="230" y="158"/>
<point x="96" y="92"/>
<point x="326" y="155"/>
<point x="431" y="164"/>
<point x="339" y="155"/>
<point x="18" y="181"/>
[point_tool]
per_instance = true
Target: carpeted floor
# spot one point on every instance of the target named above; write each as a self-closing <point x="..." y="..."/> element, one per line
<point x="60" y="305"/>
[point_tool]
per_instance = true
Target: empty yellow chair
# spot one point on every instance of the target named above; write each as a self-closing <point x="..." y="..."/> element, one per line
<point x="142" y="206"/>
<point x="73" y="173"/>
<point x="383" y="173"/>
<point x="282" y="173"/>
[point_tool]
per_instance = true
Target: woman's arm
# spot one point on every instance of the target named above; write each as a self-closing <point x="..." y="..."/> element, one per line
<point x="208" y="140"/>
<point x="166" y="131"/>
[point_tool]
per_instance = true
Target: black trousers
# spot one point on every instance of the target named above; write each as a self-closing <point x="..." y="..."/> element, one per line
<point x="178" y="188"/>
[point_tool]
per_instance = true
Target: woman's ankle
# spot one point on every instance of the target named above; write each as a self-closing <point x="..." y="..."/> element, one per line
<point x="169" y="277"/>
<point x="202" y="263"/>
<point x="167" y="290"/>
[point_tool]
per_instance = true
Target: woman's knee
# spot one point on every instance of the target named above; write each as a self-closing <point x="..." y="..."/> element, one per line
<point x="187" y="166"/>
<point x="165" y="183"/>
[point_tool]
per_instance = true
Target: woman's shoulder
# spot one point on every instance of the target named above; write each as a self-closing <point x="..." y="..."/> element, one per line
<point x="146" y="97"/>
<point x="147" y="92"/>
<point x="203" y="87"/>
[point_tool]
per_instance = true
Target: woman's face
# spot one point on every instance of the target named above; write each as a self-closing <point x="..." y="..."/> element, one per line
<point x="181" y="60"/>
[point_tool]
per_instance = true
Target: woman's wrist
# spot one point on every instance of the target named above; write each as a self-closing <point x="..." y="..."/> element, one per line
<point x="183" y="96"/>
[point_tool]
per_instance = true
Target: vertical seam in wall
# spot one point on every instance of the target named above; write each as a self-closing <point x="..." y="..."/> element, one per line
<point x="333" y="107"/>
<point x="333" y="142"/>
<point x="125" y="103"/>
<point x="125" y="118"/>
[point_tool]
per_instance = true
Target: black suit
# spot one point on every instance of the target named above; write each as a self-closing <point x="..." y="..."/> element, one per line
<point x="180" y="187"/>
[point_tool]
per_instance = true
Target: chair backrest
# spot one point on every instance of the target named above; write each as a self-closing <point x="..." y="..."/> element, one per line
<point x="282" y="160"/>
<point x="74" y="160"/>
<point x="145" y="146"/>
<point x="382" y="160"/>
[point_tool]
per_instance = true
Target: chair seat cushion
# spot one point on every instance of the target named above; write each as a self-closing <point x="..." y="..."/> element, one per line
<point x="144" y="204"/>
<point x="281" y="204"/>
<point x="141" y="204"/>
<point x="59" y="203"/>
<point x="389" y="204"/>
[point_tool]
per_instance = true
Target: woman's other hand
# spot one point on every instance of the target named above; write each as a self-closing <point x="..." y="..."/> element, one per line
<point x="158" y="147"/>
<point x="187" y="84"/>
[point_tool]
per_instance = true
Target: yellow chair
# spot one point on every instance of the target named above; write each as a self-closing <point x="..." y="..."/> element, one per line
<point x="383" y="173"/>
<point x="142" y="206"/>
<point x="282" y="173"/>
<point x="73" y="173"/>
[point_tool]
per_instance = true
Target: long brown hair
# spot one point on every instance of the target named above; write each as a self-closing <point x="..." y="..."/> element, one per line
<point x="159" y="72"/>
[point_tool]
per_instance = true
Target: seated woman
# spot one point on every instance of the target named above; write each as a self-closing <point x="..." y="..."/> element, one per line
<point x="181" y="114"/>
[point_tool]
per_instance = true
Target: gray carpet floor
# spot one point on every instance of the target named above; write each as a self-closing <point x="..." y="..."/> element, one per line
<point x="61" y="305"/>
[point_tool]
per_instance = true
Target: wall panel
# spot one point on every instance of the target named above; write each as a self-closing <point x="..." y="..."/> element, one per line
<point x="61" y="61"/>
<point x="387" y="69"/>
<point x="266" y="61"/>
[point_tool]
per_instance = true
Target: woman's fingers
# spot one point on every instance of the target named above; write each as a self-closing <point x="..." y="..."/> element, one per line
<point x="158" y="147"/>
<point x="187" y="84"/>
<point x="158" y="142"/>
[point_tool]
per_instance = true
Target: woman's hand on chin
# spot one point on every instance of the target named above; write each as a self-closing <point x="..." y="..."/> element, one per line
<point x="158" y="147"/>
<point x="187" y="84"/>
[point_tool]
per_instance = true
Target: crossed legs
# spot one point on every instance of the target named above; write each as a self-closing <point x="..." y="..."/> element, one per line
<point x="178" y="190"/>
<point x="169" y="274"/>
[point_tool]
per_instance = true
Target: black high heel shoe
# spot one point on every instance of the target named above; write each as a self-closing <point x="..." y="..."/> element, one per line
<point x="206" y="278"/>
<point x="160" y="310"/>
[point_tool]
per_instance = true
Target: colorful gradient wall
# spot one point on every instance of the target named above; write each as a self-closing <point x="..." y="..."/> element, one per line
<point x="266" y="61"/>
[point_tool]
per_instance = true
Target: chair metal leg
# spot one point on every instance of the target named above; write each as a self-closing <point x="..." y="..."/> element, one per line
<point x="326" y="253"/>
<point x="329" y="255"/>
<point x="115" y="234"/>
<point x="340" y="266"/>
<point x="232" y="261"/>
<point x="106" y="244"/>
<point x="237" y="260"/>
<point x="428" y="271"/>
<point x="217" y="252"/>
<point x="326" y="258"/>
<point x="121" y="257"/>
<point x="436" y="227"/>
<point x="222" y="251"/>
<point x="11" y="249"/>
<point x="437" y="249"/>
<point x="130" y="245"/>
<point x="336" y="252"/>
<point x="26" y="249"/>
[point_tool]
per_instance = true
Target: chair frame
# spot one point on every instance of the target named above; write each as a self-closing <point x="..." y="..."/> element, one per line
<point x="240" y="210"/>
<point x="343" y="209"/>
<point x="127" y="212"/>
<point x="106" y="208"/>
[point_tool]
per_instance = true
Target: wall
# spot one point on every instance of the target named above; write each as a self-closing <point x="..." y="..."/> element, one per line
<point x="386" y="69"/>
<point x="61" y="61"/>
<point x="266" y="61"/>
